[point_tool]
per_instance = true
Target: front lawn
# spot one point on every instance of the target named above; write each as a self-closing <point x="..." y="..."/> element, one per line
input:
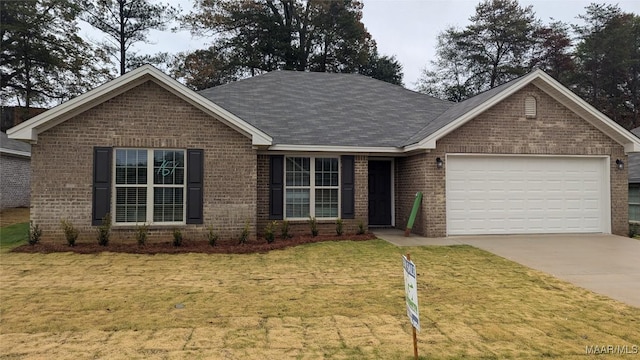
<point x="13" y="235"/>
<point x="333" y="300"/>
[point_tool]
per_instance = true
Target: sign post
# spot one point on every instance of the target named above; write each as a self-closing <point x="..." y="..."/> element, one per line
<point x="411" y="296"/>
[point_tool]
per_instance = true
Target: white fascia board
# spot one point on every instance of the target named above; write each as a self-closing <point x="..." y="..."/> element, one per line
<point x="631" y="147"/>
<point x="592" y="115"/>
<point x="556" y="90"/>
<point x="336" y="149"/>
<point x="426" y="144"/>
<point x="258" y="137"/>
<point x="430" y="141"/>
<point x="30" y="129"/>
<point x="15" y="152"/>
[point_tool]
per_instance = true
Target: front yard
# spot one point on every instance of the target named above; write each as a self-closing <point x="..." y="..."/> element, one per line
<point x="338" y="300"/>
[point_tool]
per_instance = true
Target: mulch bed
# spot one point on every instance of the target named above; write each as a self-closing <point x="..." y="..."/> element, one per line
<point x="259" y="246"/>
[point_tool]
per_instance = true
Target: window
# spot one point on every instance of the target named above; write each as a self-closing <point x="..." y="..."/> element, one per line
<point x="634" y="202"/>
<point x="311" y="187"/>
<point x="149" y="191"/>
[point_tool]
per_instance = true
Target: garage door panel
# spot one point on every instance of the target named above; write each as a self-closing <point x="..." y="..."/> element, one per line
<point x="511" y="194"/>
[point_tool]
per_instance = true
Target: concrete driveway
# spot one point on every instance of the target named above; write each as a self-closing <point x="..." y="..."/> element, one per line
<point x="606" y="264"/>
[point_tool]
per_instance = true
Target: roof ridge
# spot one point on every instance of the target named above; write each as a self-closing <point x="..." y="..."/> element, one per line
<point x="336" y="108"/>
<point x="323" y="73"/>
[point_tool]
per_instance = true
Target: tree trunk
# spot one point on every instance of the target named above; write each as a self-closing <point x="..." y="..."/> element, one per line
<point x="123" y="49"/>
<point x="27" y="75"/>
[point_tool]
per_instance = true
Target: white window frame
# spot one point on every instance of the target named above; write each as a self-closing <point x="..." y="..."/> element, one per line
<point x="150" y="186"/>
<point x="312" y="186"/>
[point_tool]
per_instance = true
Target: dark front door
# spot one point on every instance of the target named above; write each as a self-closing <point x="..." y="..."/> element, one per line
<point x="379" y="193"/>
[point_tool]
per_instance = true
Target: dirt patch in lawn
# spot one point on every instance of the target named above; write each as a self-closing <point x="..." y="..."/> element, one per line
<point x="188" y="246"/>
<point x="14" y="216"/>
<point x="329" y="300"/>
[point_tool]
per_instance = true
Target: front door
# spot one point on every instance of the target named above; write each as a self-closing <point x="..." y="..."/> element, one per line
<point x="379" y="193"/>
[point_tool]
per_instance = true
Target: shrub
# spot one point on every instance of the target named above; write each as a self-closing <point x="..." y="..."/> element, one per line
<point x="313" y="223"/>
<point x="212" y="236"/>
<point x="70" y="233"/>
<point x="634" y="229"/>
<point x="269" y="231"/>
<point x="104" y="231"/>
<point x="245" y="233"/>
<point x="360" y="227"/>
<point x="142" y="234"/>
<point x="284" y="229"/>
<point x="177" y="237"/>
<point x="339" y="227"/>
<point x="34" y="233"/>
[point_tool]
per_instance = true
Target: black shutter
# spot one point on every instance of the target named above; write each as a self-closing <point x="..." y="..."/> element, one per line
<point x="195" y="180"/>
<point x="101" y="184"/>
<point x="348" y="187"/>
<point x="276" y="187"/>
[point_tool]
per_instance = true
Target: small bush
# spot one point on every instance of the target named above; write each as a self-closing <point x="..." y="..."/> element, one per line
<point x="104" y="231"/>
<point x="634" y="229"/>
<point x="142" y="234"/>
<point x="313" y="223"/>
<point x="245" y="233"/>
<point x="34" y="233"/>
<point x="269" y="231"/>
<point x="212" y="236"/>
<point x="70" y="233"/>
<point x="177" y="237"/>
<point x="284" y="230"/>
<point x="339" y="227"/>
<point x="360" y="227"/>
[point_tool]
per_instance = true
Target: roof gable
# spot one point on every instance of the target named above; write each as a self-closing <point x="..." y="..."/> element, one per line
<point x="30" y="129"/>
<point x="465" y="111"/>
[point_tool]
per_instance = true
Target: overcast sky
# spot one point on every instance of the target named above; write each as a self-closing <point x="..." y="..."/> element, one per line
<point x="404" y="28"/>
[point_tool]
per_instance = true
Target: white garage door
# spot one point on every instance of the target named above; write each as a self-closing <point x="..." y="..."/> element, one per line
<point x="526" y="195"/>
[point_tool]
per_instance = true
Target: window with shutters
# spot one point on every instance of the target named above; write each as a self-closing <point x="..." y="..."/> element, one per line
<point x="312" y="188"/>
<point x="149" y="186"/>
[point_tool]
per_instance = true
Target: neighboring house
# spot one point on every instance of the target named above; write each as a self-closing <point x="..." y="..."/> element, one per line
<point x="15" y="173"/>
<point x="528" y="156"/>
<point x="634" y="183"/>
<point x="11" y="116"/>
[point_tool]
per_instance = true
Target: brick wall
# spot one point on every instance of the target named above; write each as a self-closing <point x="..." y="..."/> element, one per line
<point x="327" y="227"/>
<point x="504" y="129"/>
<point x="410" y="177"/>
<point x="146" y="116"/>
<point x="14" y="181"/>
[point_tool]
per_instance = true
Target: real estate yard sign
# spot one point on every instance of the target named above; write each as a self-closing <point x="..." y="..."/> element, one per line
<point x="411" y="291"/>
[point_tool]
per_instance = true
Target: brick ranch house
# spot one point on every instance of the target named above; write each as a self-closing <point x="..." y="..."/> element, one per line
<point x="528" y="156"/>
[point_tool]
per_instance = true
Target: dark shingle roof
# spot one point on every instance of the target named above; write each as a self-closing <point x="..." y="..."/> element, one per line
<point x="10" y="144"/>
<point x="457" y="110"/>
<point x="310" y="108"/>
<point x="634" y="162"/>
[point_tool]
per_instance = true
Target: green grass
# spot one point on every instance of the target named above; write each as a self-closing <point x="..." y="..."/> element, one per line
<point x="13" y="235"/>
<point x="333" y="300"/>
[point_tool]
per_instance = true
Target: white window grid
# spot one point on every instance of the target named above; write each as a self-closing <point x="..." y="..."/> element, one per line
<point x="312" y="187"/>
<point x="150" y="187"/>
